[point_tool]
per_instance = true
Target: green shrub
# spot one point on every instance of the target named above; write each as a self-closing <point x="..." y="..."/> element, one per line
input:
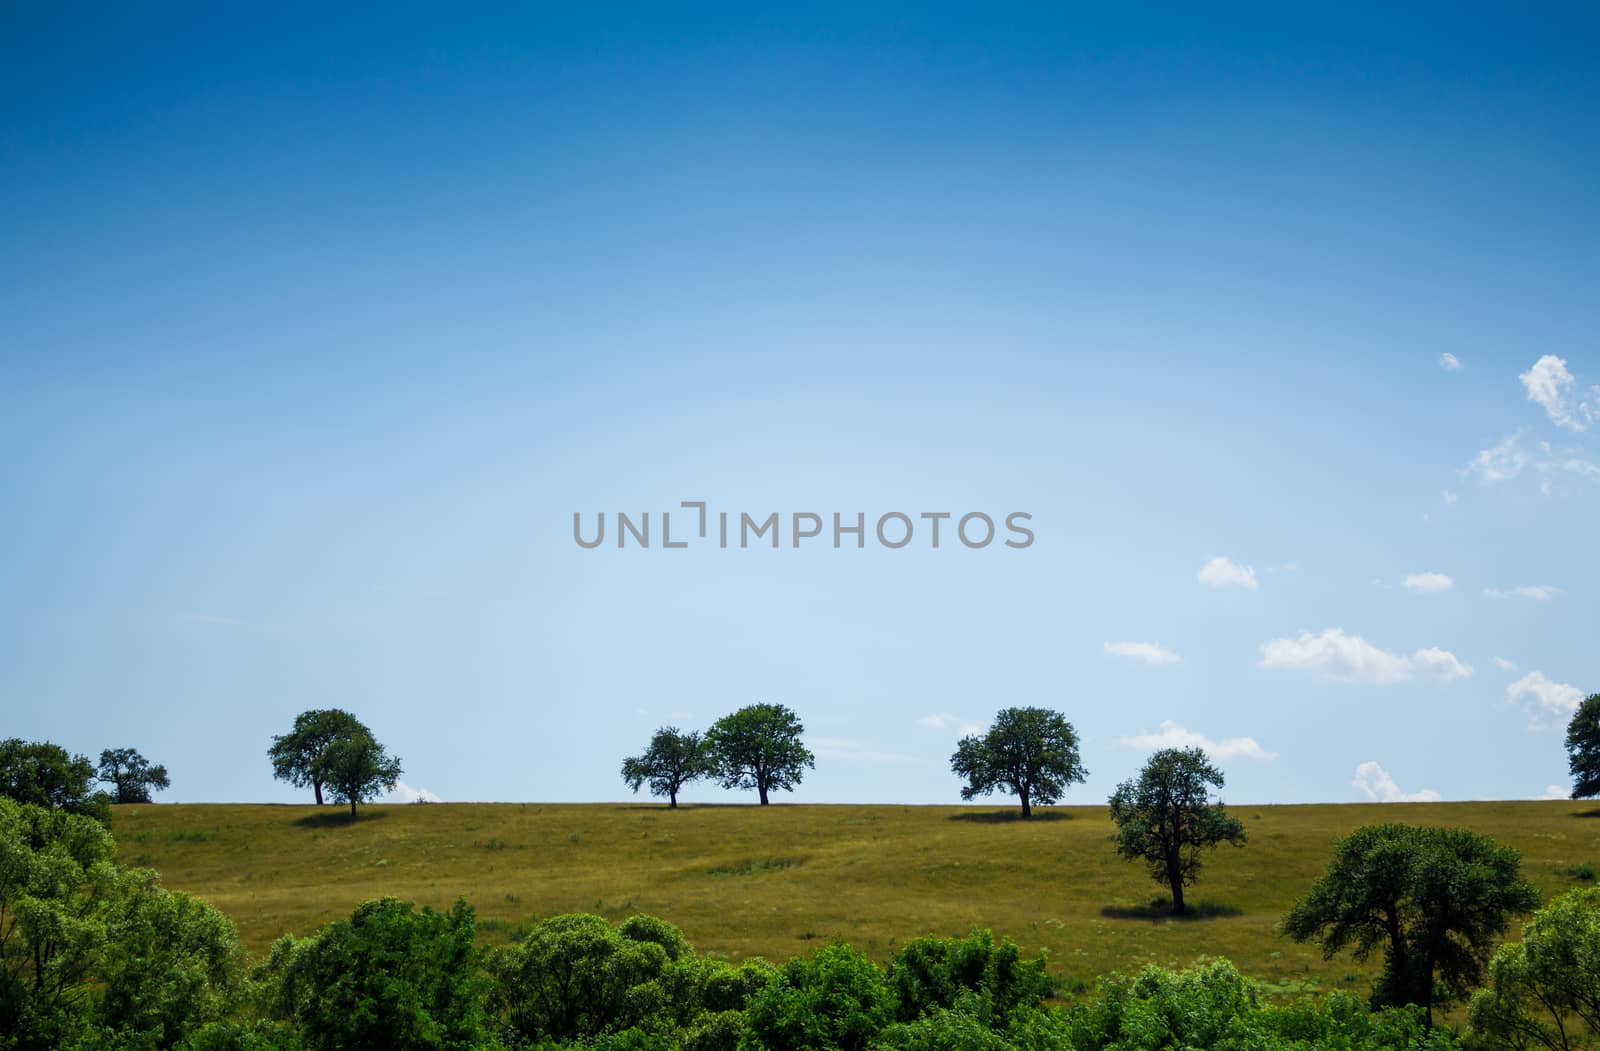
<point x="930" y="973"/>
<point x="389" y="977"/>
<point x="837" y="998"/>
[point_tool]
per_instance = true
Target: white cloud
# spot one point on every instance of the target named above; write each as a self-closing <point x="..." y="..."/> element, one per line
<point x="1171" y="735"/>
<point x="941" y="721"/>
<point x="1223" y="572"/>
<point x="1572" y="464"/>
<point x="1498" y="463"/>
<point x="1546" y="700"/>
<point x="1449" y="497"/>
<point x="1443" y="664"/>
<point x="1537" y="592"/>
<point x="1449" y="362"/>
<point x="407" y="794"/>
<point x="1505" y="665"/>
<point x="1350" y="658"/>
<point x="1374" y="782"/>
<point x="1550" y="385"/>
<point x="1429" y="582"/>
<point x="1149" y="652"/>
<point x="1555" y="792"/>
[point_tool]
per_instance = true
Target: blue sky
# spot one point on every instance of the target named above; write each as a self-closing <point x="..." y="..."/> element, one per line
<point x="317" y="328"/>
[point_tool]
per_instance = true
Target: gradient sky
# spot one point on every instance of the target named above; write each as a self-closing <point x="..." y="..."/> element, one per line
<point x="316" y="327"/>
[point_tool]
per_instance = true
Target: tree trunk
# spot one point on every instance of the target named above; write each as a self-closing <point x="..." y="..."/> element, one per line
<point x="318" y="786"/>
<point x="761" y="787"/>
<point x="672" y="799"/>
<point x="352" y="808"/>
<point x="1175" y="874"/>
<point x="1027" y="811"/>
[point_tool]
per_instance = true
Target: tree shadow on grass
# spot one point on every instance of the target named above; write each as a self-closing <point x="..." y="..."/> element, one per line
<point x="1586" y="813"/>
<point x="1160" y="909"/>
<point x="1002" y="817"/>
<point x="339" y="818"/>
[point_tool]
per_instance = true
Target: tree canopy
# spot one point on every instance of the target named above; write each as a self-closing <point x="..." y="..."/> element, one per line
<point x="1165" y="817"/>
<point x="96" y="955"/>
<point x="1433" y="900"/>
<point x="672" y="760"/>
<point x="1583" y="748"/>
<point x="131" y="776"/>
<point x="759" y="747"/>
<point x="356" y="768"/>
<point x="1032" y="753"/>
<point x="1545" y="989"/>
<point x="47" y="775"/>
<point x="296" y="756"/>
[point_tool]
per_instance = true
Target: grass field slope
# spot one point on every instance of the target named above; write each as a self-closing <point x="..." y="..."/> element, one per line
<point x="776" y="881"/>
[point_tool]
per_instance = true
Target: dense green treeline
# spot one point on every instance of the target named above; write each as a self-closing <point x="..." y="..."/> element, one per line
<point x="95" y="955"/>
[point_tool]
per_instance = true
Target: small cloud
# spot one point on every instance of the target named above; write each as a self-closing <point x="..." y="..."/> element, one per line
<point x="1442" y="664"/>
<point x="407" y="794"/>
<point x="1429" y="582"/>
<point x="1550" y="385"/>
<point x="1536" y="592"/>
<point x="1223" y="572"/>
<point x="1449" y="362"/>
<point x="1171" y="735"/>
<point x="1505" y="665"/>
<point x="1149" y="652"/>
<point x="1450" y="498"/>
<point x="1350" y="658"/>
<point x="1499" y="463"/>
<point x="1545" y="700"/>
<point x="1374" y="782"/>
<point x="1555" y="792"/>
<point x="949" y="722"/>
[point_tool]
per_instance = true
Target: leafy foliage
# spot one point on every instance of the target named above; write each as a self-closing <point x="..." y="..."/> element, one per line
<point x="94" y="955"/>
<point x="388" y="977"/>
<point x="759" y="747"/>
<point x="931" y="974"/>
<point x="835" y="999"/>
<point x="1165" y="817"/>
<point x="1432" y="899"/>
<point x="356" y="768"/>
<point x="133" y="778"/>
<point x="47" y="775"/>
<point x="1032" y="753"/>
<point x="578" y="977"/>
<point x="1583" y="748"/>
<point x="297" y="755"/>
<point x="1544" y="991"/>
<point x="673" y="760"/>
<point x="1213" y="1006"/>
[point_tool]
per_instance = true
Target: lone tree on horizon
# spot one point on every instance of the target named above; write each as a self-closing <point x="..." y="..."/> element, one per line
<point x="1030" y="752"/>
<point x="1165" y="817"/>
<point x="1583" y="748"/>
<point x="356" y="769"/>
<point x="296" y="756"/>
<point x="759" y="747"/>
<point x="1433" y="900"/>
<point x="673" y="760"/>
<point x="133" y="778"/>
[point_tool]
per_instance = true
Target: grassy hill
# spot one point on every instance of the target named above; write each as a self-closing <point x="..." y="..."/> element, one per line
<point x="778" y="880"/>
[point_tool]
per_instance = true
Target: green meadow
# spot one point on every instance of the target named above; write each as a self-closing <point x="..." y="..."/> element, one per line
<point x="776" y="881"/>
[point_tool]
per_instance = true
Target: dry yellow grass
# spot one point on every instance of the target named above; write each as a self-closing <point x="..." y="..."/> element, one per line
<point x="774" y="881"/>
